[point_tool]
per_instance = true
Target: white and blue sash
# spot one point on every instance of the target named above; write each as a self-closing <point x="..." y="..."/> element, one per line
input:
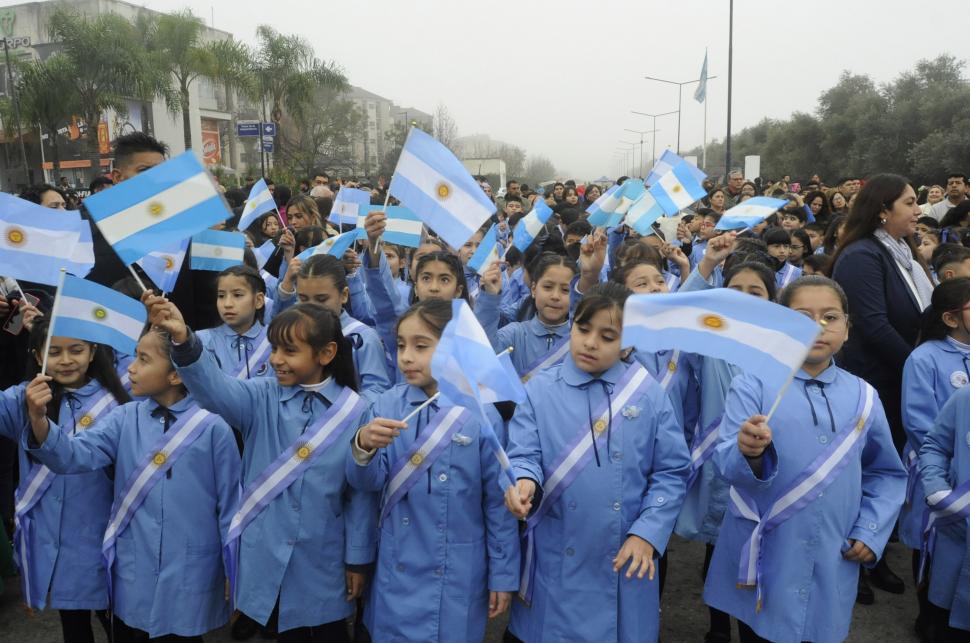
<point x="804" y="489"/>
<point x="286" y="468"/>
<point x="670" y="370"/>
<point x="789" y="273"/>
<point x="159" y="459"/>
<point x="702" y="447"/>
<point x="577" y="454"/>
<point x="256" y="361"/>
<point x="952" y="507"/>
<point x="33" y="489"/>
<point x="555" y="355"/>
<point x="422" y="453"/>
<point x="911" y="460"/>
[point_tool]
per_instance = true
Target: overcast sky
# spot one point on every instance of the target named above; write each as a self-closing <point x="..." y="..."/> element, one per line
<point x="559" y="77"/>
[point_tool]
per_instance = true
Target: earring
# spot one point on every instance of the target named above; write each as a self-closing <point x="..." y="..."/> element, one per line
<point x="882" y="221"/>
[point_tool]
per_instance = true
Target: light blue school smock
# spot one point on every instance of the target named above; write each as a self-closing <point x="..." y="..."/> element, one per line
<point x="370" y="359"/>
<point x="809" y="589"/>
<point x="70" y="518"/>
<point x="635" y="489"/>
<point x="448" y="541"/>
<point x="233" y="351"/>
<point x="297" y="548"/>
<point x="530" y="340"/>
<point x="168" y="575"/>
<point x="944" y="464"/>
<point x="932" y="374"/>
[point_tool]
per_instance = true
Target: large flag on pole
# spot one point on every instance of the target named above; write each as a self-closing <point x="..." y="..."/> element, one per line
<point x="158" y="208"/>
<point x="430" y="180"/>
<point x="36" y="242"/>
<point x="700" y="94"/>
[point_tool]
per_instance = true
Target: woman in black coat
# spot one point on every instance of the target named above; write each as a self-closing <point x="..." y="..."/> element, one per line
<point x="888" y="287"/>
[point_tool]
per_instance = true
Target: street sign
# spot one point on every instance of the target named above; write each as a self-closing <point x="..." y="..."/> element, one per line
<point x="269" y="129"/>
<point x="268" y="146"/>
<point x="247" y="128"/>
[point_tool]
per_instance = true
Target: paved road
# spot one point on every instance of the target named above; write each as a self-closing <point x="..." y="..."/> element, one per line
<point x="890" y="620"/>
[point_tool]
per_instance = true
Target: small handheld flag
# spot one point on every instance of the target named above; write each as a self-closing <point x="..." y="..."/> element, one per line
<point x="89" y="311"/>
<point x="678" y="188"/>
<point x="760" y="337"/>
<point x="667" y="161"/>
<point x="487" y="252"/>
<point x="163" y="266"/>
<point x="750" y="213"/>
<point x="349" y="204"/>
<point x="530" y="226"/>
<point x="217" y="250"/>
<point x="470" y="374"/>
<point x="158" y="208"/>
<point x="594" y="208"/>
<point x="264" y="252"/>
<point x="260" y="202"/>
<point x="404" y="227"/>
<point x="82" y="259"/>
<point x="36" y="242"/>
<point x="615" y="205"/>
<point x="335" y="246"/>
<point x="644" y="212"/>
<point x="432" y="182"/>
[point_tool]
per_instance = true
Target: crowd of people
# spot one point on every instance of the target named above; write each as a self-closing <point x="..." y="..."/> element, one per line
<point x="370" y="509"/>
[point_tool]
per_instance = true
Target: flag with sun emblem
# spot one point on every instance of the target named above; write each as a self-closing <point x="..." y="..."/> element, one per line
<point x="750" y="213"/>
<point x="217" y="250"/>
<point x="678" y="188"/>
<point x="260" y="202"/>
<point x="89" y="311"/>
<point x="158" y="208"/>
<point x="163" y="266"/>
<point x="430" y="180"/>
<point x="759" y="337"/>
<point x="36" y="242"/>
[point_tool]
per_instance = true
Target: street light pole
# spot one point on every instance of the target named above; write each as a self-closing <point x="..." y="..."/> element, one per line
<point x="640" y="167"/>
<point x="680" y="94"/>
<point x="727" y="139"/>
<point x="630" y="151"/>
<point x="655" y="130"/>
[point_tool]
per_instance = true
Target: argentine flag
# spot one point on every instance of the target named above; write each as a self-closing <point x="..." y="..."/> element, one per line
<point x="82" y="259"/>
<point x="759" y="337"/>
<point x="668" y="161"/>
<point x="404" y="227"/>
<point x="750" y="213"/>
<point x="349" y="204"/>
<point x="593" y="209"/>
<point x="264" y="252"/>
<point x="615" y="205"/>
<point x="89" y="311"/>
<point x="530" y="226"/>
<point x="644" y="213"/>
<point x="217" y="250"/>
<point x="433" y="183"/>
<point x="163" y="266"/>
<point x="260" y="202"/>
<point x="487" y="253"/>
<point x="677" y="189"/>
<point x="158" y="208"/>
<point x="335" y="246"/>
<point x="36" y="242"/>
<point x="470" y="374"/>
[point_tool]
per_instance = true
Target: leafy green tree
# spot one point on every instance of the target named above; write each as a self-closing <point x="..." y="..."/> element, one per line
<point x="43" y="99"/>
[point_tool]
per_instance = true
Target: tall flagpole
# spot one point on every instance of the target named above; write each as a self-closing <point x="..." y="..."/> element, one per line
<point x="727" y="139"/>
<point x="704" y="146"/>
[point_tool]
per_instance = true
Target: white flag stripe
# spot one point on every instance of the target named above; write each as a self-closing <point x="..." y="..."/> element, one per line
<point x="83" y="310"/>
<point x="405" y="226"/>
<point x="459" y="203"/>
<point x="675" y="190"/>
<point x="213" y="251"/>
<point x="173" y="201"/>
<point x="782" y="347"/>
<point x="533" y="225"/>
<point x="41" y="241"/>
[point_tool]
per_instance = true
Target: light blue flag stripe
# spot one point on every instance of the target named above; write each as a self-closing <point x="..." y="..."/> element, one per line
<point x="595" y="207"/>
<point x="335" y="246"/>
<point x="482" y="258"/>
<point x="143" y="186"/>
<point x="258" y="196"/>
<point x="404" y="227"/>
<point x="644" y="213"/>
<point x="750" y="213"/>
<point x="89" y="311"/>
<point x="530" y="226"/>
<point x="17" y="211"/>
<point x="762" y="338"/>
<point x="264" y="252"/>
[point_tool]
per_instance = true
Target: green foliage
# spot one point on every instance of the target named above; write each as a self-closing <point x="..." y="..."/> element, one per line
<point x="916" y="125"/>
<point x="322" y="138"/>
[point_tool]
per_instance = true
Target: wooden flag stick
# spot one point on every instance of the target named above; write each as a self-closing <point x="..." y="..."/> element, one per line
<point x="50" y="328"/>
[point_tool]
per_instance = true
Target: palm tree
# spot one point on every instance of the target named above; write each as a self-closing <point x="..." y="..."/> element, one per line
<point x="44" y="100"/>
<point x="178" y="52"/>
<point x="290" y="74"/>
<point x="108" y="66"/>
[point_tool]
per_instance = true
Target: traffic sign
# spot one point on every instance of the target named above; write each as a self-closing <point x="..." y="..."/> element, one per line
<point x="269" y="129"/>
<point x="247" y="128"/>
<point x="268" y="145"/>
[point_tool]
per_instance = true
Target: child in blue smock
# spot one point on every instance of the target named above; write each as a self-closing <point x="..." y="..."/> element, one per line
<point x="302" y="533"/>
<point x="239" y="345"/>
<point x="606" y="512"/>
<point x="167" y="529"/>
<point x="322" y="280"/>
<point x="542" y="341"/>
<point x="465" y="253"/>
<point x="944" y="471"/>
<point x="778" y="241"/>
<point x="448" y="551"/>
<point x="396" y="259"/>
<point x="938" y="368"/>
<point x="794" y="578"/>
<point x="60" y="518"/>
